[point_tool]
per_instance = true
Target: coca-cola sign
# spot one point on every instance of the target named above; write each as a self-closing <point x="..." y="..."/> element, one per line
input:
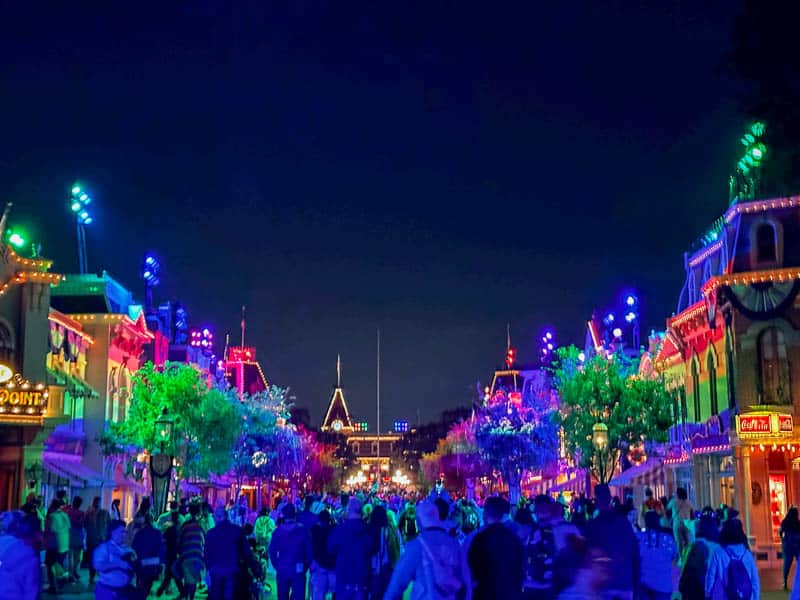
<point x="764" y="425"/>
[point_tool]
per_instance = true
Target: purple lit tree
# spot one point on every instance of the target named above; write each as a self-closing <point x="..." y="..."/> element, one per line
<point x="516" y="432"/>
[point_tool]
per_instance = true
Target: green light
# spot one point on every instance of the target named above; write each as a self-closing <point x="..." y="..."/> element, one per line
<point x="76" y="190"/>
<point x="83" y="197"/>
<point x="757" y="154"/>
<point x="758" y="128"/>
<point x="749" y="160"/>
<point x="84" y="215"/>
<point x="750" y="139"/>
<point x="76" y="206"/>
<point x="16" y="239"/>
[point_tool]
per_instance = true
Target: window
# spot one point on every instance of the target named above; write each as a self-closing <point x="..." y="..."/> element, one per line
<point x="698" y="418"/>
<point x="374" y="449"/>
<point x="712" y="383"/>
<point x="6" y="345"/>
<point x="773" y="367"/>
<point x="766" y="247"/>
<point x="684" y="406"/>
<point x="356" y="448"/>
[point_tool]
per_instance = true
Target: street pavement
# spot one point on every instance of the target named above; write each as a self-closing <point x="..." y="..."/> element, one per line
<point x="771" y="584"/>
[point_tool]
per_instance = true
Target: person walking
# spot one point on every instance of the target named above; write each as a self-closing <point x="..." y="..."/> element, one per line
<point x="741" y="574"/>
<point x="56" y="543"/>
<point x="77" y="537"/>
<point x="387" y="546"/>
<point x="682" y="510"/>
<point x="170" y="552"/>
<point x="495" y="555"/>
<point x="790" y="541"/>
<point x="290" y="554"/>
<point x="96" y="523"/>
<point x="323" y="565"/>
<point x="353" y="546"/>
<point x="432" y="561"/>
<point x="658" y="552"/>
<point x="114" y="562"/>
<point x="702" y="573"/>
<point x="227" y="556"/>
<point x="20" y="570"/>
<point x="611" y="534"/>
<point x="148" y="544"/>
<point x="191" y="546"/>
<point x="544" y="541"/>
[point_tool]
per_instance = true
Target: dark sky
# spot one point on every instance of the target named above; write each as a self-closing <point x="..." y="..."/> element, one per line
<point x="437" y="169"/>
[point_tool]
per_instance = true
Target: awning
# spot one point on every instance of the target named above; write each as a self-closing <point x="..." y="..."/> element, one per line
<point x="189" y="488"/>
<point x="128" y="483"/>
<point x="575" y="485"/>
<point x="70" y="467"/>
<point x="649" y="472"/>
<point x="73" y="384"/>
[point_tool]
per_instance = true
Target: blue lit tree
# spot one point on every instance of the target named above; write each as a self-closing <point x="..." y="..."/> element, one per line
<point x="516" y="432"/>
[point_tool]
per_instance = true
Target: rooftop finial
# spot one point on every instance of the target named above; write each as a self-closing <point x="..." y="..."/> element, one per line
<point x="338" y="370"/>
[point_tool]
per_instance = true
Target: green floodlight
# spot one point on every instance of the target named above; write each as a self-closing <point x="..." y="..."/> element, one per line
<point x="16" y="240"/>
<point x="757" y="154"/>
<point x="76" y="206"/>
<point x="76" y="189"/>
<point x="84" y="214"/>
<point x="758" y="128"/>
<point x="83" y="197"/>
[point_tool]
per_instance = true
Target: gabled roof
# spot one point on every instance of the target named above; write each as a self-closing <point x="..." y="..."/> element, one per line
<point x="337" y="410"/>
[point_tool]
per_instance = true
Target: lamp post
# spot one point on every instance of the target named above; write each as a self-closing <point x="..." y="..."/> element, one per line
<point x="161" y="461"/>
<point x="600" y="443"/>
<point x="78" y="203"/>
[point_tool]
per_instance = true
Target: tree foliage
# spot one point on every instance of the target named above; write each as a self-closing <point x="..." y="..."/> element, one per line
<point x="205" y="419"/>
<point x="636" y="411"/>
<point x="518" y="433"/>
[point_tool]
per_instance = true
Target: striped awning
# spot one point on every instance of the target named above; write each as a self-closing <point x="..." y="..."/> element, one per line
<point x="650" y="472"/>
<point x="70" y="467"/>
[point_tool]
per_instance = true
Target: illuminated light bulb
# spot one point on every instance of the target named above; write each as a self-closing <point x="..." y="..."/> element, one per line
<point x="76" y="206"/>
<point x="549" y="335"/>
<point x="83" y="197"/>
<point x="83" y="214"/>
<point x="88" y="221"/>
<point x="76" y="190"/>
<point x="617" y="332"/>
<point x="761" y="447"/>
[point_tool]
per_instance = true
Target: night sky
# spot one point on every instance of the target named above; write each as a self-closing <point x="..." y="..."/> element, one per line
<point x="437" y="169"/>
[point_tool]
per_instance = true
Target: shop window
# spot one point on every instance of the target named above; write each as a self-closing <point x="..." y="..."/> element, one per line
<point x="712" y="383"/>
<point x="374" y="449"/>
<point x="6" y="345"/>
<point x="698" y="417"/>
<point x="766" y="243"/>
<point x="356" y="448"/>
<point x="773" y="367"/>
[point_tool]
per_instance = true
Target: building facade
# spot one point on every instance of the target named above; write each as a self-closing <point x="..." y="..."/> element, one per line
<point x="732" y="356"/>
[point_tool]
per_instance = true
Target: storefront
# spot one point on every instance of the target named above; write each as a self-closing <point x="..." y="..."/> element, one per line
<point x="768" y="464"/>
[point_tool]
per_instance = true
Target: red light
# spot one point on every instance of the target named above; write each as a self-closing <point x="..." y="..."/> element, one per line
<point x="511" y="356"/>
<point x="515" y="397"/>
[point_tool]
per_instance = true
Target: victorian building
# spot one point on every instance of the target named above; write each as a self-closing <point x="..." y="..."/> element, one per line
<point x="29" y="410"/>
<point x="732" y="356"/>
<point x="107" y="314"/>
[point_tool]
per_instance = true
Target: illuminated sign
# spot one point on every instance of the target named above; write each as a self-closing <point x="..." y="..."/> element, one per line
<point x="755" y="425"/>
<point x="20" y="397"/>
<point x="5" y="373"/>
<point x="241" y="354"/>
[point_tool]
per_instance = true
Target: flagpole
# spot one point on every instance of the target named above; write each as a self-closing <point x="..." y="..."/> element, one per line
<point x="378" y="399"/>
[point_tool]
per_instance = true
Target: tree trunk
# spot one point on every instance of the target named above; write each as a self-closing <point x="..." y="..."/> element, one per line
<point x="258" y="495"/>
<point x="470" y="483"/>
<point x="514" y="489"/>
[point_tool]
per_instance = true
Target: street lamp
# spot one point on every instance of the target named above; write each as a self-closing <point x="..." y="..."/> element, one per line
<point x="150" y="271"/>
<point x="161" y="462"/>
<point x="600" y="443"/>
<point x="78" y="202"/>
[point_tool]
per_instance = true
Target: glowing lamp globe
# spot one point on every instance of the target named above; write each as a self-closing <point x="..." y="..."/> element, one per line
<point x="617" y="333"/>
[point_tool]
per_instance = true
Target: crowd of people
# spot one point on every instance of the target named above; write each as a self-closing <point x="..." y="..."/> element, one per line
<point x="367" y="547"/>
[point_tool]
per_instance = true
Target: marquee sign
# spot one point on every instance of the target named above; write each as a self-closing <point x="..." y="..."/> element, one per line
<point x="18" y="396"/>
<point x="764" y="424"/>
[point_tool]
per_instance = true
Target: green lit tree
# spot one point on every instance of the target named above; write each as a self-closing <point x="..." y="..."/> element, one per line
<point x="601" y="392"/>
<point x="206" y="419"/>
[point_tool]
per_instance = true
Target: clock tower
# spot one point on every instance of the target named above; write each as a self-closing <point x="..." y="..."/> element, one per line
<point x="337" y="417"/>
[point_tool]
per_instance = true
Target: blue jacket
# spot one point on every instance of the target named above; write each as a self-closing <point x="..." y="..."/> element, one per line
<point x="353" y="543"/>
<point x="290" y="546"/>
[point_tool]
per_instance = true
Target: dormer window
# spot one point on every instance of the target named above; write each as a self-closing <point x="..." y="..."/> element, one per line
<point x="766" y="243"/>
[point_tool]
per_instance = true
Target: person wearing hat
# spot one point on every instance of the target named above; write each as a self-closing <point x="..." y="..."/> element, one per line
<point x="290" y="554"/>
<point x="353" y="546"/>
<point x="432" y="561"/>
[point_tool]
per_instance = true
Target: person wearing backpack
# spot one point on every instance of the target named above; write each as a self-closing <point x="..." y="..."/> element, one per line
<point x="741" y="580"/>
<point x="547" y="540"/>
<point x="432" y="561"/>
<point x="702" y="569"/>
